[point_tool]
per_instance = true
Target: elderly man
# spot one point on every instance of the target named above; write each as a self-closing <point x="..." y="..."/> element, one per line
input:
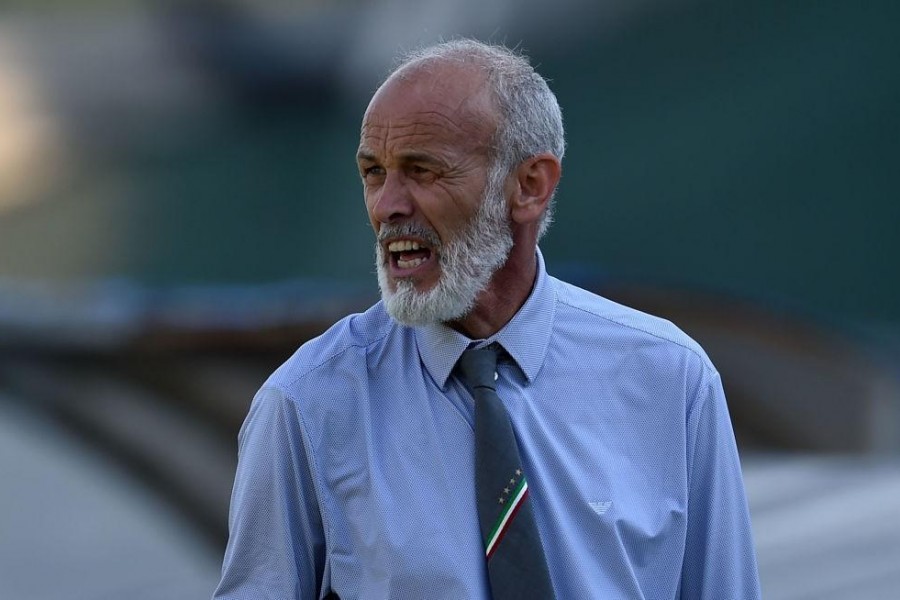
<point x="485" y="430"/>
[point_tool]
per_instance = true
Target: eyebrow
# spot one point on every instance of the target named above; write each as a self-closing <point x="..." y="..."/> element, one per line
<point x="364" y="154"/>
<point x="420" y="157"/>
<point x="405" y="157"/>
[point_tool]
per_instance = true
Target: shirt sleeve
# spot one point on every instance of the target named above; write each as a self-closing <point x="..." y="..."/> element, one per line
<point x="276" y="545"/>
<point x="719" y="559"/>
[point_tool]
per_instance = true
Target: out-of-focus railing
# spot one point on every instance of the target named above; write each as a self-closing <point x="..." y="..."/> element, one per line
<point x="160" y="381"/>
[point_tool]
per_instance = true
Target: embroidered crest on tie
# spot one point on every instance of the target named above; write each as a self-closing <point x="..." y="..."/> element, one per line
<point x="511" y="499"/>
<point x="516" y="564"/>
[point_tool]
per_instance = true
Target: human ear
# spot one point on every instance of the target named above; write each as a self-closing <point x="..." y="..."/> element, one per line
<point x="536" y="179"/>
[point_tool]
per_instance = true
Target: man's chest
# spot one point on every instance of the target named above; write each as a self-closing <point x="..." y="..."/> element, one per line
<point x="399" y="495"/>
<point x="398" y="490"/>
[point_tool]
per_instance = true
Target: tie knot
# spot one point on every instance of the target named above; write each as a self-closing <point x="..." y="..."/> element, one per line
<point x="478" y="366"/>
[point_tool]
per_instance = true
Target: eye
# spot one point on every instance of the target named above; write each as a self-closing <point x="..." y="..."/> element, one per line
<point x="372" y="171"/>
<point x="424" y="173"/>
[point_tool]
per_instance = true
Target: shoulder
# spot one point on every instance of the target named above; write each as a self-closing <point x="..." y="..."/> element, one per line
<point x="624" y="327"/>
<point x="342" y="347"/>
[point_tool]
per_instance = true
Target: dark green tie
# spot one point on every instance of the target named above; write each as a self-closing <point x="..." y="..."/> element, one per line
<point x="515" y="558"/>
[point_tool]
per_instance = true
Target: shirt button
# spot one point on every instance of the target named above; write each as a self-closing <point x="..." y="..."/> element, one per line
<point x="496" y="375"/>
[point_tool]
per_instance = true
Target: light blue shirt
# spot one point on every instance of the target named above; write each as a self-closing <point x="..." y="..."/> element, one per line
<point x="356" y="472"/>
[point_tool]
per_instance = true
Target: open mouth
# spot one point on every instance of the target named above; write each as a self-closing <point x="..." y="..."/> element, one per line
<point x="407" y="254"/>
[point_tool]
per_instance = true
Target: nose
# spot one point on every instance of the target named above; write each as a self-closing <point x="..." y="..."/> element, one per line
<point x="393" y="201"/>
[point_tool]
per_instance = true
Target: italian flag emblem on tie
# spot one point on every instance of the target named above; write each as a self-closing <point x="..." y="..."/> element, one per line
<point x="511" y="499"/>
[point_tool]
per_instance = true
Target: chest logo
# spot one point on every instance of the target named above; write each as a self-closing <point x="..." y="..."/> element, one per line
<point x="600" y="506"/>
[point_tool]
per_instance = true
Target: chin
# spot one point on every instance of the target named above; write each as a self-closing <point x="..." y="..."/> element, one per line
<point x="422" y="284"/>
<point x="409" y="305"/>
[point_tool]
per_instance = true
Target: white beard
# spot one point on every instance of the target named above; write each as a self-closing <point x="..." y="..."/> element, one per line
<point x="467" y="263"/>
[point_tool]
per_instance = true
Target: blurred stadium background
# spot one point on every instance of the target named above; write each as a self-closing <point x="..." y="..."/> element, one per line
<point x="179" y="209"/>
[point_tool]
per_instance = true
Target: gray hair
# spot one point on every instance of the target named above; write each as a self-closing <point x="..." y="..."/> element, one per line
<point x="530" y="120"/>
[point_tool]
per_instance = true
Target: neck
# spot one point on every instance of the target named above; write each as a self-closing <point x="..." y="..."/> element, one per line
<point x="504" y="295"/>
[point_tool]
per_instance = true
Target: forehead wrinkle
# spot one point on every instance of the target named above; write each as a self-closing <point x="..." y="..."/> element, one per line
<point x="436" y="128"/>
<point x="426" y="117"/>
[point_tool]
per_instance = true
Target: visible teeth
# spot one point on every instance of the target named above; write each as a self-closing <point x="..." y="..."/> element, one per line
<point x="403" y="246"/>
<point x="410" y="264"/>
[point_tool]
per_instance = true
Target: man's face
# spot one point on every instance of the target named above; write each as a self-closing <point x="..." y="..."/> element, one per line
<point x="424" y="159"/>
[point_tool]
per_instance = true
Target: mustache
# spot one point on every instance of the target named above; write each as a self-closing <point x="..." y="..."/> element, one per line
<point x="426" y="234"/>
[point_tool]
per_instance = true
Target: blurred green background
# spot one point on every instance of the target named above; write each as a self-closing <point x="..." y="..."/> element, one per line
<point x="748" y="147"/>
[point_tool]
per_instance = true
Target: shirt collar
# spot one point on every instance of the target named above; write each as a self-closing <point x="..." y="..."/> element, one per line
<point x="526" y="336"/>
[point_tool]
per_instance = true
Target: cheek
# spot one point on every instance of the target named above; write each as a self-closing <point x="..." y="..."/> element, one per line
<point x="449" y="210"/>
<point x="450" y="224"/>
<point x="370" y="206"/>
